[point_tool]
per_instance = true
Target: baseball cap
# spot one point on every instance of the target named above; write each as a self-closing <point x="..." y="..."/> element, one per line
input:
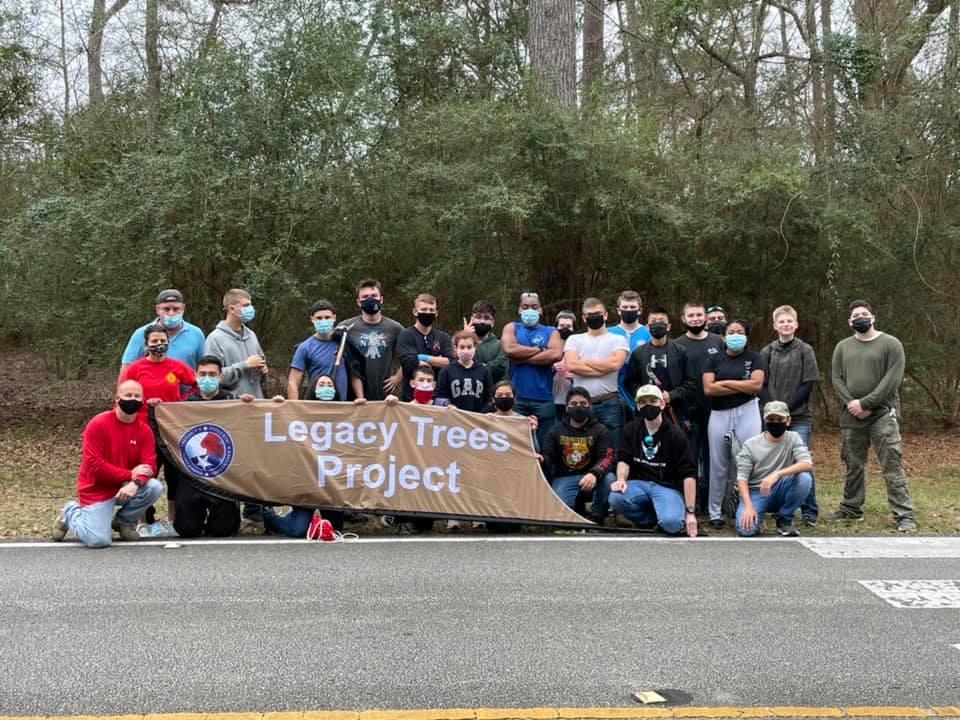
<point x="646" y="391"/>
<point x="776" y="407"/>
<point x="170" y="295"/>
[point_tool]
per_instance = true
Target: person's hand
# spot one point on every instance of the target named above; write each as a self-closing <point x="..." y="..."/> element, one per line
<point x="127" y="491"/>
<point x="424" y="358"/>
<point x="618" y="486"/>
<point x="691" y="525"/>
<point x="766" y="485"/>
<point x="539" y="457"/>
<point x="749" y="520"/>
<point x="392" y="383"/>
<point x="468" y="326"/>
<point x="247" y="397"/>
<point x="255" y="361"/>
<point x="534" y="422"/>
<point x="264" y="370"/>
<point x="856" y="409"/>
<point x="153" y="402"/>
<point x="391" y="400"/>
<point x="687" y="426"/>
<point x="142" y="470"/>
<point x="360" y="401"/>
<point x="279" y="399"/>
<point x="588" y="482"/>
<point x="560" y="368"/>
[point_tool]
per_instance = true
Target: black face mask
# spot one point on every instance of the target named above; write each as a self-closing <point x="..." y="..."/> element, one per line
<point x="565" y="333"/>
<point x="629" y="316"/>
<point x="158" y="349"/>
<point x="717" y="328"/>
<point x="776" y="429"/>
<point x="594" y="322"/>
<point x="649" y="412"/>
<point x="578" y="413"/>
<point x="371" y="306"/>
<point x="503" y="404"/>
<point x="426" y="319"/>
<point x="658" y="330"/>
<point x="695" y="329"/>
<point x="862" y="324"/>
<point x="130" y="406"/>
<point x="482" y="329"/>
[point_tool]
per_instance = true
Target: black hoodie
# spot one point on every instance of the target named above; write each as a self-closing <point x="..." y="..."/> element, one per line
<point x="668" y="459"/>
<point x="569" y="450"/>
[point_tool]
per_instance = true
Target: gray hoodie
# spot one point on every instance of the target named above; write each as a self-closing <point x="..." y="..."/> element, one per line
<point x="233" y="349"/>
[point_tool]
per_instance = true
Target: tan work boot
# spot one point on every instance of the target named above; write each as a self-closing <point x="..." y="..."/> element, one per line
<point x="126" y="531"/>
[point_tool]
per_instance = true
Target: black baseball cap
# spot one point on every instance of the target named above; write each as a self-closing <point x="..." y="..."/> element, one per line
<point x="170" y="295"/>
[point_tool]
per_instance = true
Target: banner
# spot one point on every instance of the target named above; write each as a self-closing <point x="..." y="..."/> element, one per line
<point x="402" y="459"/>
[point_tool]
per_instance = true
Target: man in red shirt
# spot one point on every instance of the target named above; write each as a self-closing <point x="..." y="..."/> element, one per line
<point x="118" y="467"/>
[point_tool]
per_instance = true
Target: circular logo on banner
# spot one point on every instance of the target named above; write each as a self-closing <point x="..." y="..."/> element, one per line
<point x="206" y="450"/>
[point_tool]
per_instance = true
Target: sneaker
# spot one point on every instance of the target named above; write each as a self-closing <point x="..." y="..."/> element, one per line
<point x="598" y="519"/>
<point x="388" y="520"/>
<point x="785" y="528"/>
<point x="59" y="530"/>
<point x="326" y="531"/>
<point x="143" y="530"/>
<point x="453" y="525"/>
<point x="810" y="520"/>
<point x="907" y="525"/>
<point x="841" y="516"/>
<point x="718" y="524"/>
<point x="127" y="531"/>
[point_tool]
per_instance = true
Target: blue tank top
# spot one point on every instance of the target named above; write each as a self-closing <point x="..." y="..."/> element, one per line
<point x="533" y="382"/>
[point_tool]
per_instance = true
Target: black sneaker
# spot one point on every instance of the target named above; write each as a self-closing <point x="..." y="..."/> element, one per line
<point x="785" y="528"/>
<point x="718" y="524"/>
<point x="810" y="520"/>
<point x="841" y="516"/>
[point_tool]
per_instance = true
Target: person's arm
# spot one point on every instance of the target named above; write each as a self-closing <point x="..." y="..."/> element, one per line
<point x="188" y="380"/>
<point x="408" y="352"/>
<point x="550" y="354"/>
<point x="800" y="396"/>
<point x="802" y="462"/>
<point x="715" y="388"/>
<point x="749" y="387"/>
<point x="610" y="364"/>
<point x="571" y="358"/>
<point x="896" y="363"/>
<point x="96" y="444"/>
<point x="148" y="455"/>
<point x="294" y="378"/>
<point x="498" y="365"/>
<point x="685" y="393"/>
<point x="517" y="353"/>
<point x="487" y="396"/>
<point x="635" y="376"/>
<point x="549" y="452"/>
<point x="623" y="472"/>
<point x="605" y="459"/>
<point x="837" y="376"/>
<point x="443" y="385"/>
<point x="749" y="518"/>
<point x="231" y="373"/>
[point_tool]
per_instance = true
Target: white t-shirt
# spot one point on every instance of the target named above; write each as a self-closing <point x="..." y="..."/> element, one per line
<point x="597" y="347"/>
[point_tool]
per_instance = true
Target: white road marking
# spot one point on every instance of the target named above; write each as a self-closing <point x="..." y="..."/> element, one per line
<point x="260" y="540"/>
<point x="957" y="647"/>
<point x="846" y="548"/>
<point x="917" y="594"/>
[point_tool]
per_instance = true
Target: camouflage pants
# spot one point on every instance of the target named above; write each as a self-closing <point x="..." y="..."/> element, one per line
<point x="884" y="433"/>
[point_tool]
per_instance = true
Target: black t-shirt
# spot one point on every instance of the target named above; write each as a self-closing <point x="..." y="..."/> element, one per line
<point x="699" y="353"/>
<point x="666" y="458"/>
<point x="740" y="367"/>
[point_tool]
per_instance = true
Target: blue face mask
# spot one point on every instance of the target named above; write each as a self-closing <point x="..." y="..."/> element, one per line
<point x="530" y="317"/>
<point x="736" y="342"/>
<point x="173" y="321"/>
<point x="326" y="392"/>
<point x="324" y="327"/>
<point x="248" y="313"/>
<point x="208" y="385"/>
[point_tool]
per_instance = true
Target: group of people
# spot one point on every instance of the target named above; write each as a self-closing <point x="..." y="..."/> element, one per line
<point x="626" y="419"/>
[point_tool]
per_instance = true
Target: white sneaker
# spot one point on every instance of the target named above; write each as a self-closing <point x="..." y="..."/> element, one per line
<point x="453" y="524"/>
<point x="143" y="530"/>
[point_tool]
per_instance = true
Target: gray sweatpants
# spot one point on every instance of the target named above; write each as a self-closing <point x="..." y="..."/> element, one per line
<point x="744" y="422"/>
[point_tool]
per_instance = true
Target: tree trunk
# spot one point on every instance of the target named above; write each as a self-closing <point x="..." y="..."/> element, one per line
<point x="99" y="18"/>
<point x="63" y="61"/>
<point x="152" y="48"/>
<point x="829" y="96"/>
<point x="593" y="50"/>
<point x="552" y="39"/>
<point x="816" y="80"/>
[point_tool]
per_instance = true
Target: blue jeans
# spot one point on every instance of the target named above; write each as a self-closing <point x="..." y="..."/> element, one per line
<point x="545" y="411"/>
<point x="645" y="503"/>
<point x="567" y="488"/>
<point x="784" y="499"/>
<point x="610" y="413"/>
<point x="809" y="507"/>
<point x="92" y="523"/>
<point x="294" y="524"/>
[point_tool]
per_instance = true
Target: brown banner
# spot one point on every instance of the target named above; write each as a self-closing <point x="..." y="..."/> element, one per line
<point x="407" y="458"/>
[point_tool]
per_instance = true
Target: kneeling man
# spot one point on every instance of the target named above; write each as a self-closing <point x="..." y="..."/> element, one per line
<point x="773" y="474"/>
<point x="656" y="472"/>
<point x="118" y="468"/>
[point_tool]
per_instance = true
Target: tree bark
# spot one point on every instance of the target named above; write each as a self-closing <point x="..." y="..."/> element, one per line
<point x="98" y="22"/>
<point x="152" y="48"/>
<point x="552" y="40"/>
<point x="63" y="60"/>
<point x="593" y="48"/>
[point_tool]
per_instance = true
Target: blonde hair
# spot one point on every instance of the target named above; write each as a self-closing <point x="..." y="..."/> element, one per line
<point x="426" y="298"/>
<point x="231" y="297"/>
<point x="784" y="310"/>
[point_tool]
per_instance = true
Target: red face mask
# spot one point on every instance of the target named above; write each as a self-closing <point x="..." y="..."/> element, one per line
<point x="423" y="396"/>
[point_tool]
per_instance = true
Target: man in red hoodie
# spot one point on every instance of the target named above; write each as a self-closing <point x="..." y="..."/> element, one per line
<point x="118" y="468"/>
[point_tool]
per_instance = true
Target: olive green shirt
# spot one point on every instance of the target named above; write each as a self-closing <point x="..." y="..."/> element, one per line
<point x="490" y="353"/>
<point x="869" y="371"/>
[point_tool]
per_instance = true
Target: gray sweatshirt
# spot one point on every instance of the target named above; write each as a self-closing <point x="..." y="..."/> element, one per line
<point x="233" y="349"/>
<point x="759" y="457"/>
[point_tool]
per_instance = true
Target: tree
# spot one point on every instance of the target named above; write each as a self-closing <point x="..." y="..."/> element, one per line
<point x="552" y="40"/>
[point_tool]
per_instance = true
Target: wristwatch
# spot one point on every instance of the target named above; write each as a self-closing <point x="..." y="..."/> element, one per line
<point x="690" y="509"/>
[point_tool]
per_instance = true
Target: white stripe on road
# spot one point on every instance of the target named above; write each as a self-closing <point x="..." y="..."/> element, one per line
<point x="917" y="594"/>
<point x="845" y="548"/>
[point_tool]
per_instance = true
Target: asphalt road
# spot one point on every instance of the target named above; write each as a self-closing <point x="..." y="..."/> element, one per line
<point x="409" y="624"/>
